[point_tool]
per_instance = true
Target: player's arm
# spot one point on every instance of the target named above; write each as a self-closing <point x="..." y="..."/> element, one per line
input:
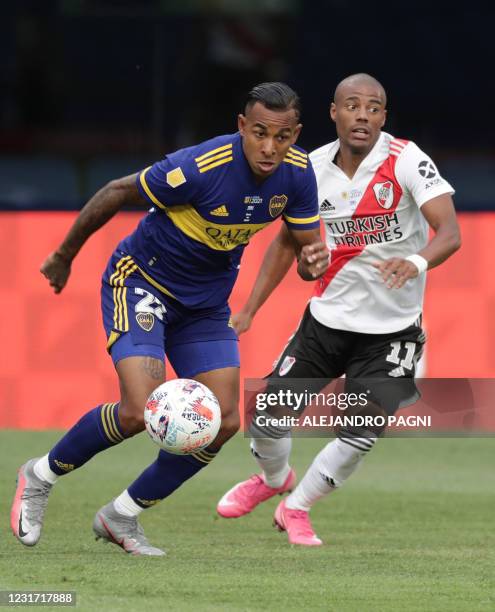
<point x="312" y="262"/>
<point x="440" y="215"/>
<point x="96" y="212"/>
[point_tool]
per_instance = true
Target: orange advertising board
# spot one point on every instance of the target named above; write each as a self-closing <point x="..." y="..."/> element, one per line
<point x="53" y="363"/>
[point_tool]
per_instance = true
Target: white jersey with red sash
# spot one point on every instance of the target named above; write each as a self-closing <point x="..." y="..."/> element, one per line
<point x="369" y="218"/>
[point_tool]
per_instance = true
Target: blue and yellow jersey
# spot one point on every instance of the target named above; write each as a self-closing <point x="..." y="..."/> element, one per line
<point x="206" y="207"/>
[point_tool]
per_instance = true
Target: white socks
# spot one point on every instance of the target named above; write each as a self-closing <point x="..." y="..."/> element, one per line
<point x="124" y="504"/>
<point x="272" y="455"/>
<point x="329" y="470"/>
<point x="42" y="470"/>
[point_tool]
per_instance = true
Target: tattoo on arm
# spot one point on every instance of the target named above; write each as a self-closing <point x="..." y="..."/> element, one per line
<point x="154" y="368"/>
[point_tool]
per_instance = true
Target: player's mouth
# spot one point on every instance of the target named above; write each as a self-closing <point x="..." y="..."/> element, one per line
<point x="360" y="133"/>
<point x="266" y="166"/>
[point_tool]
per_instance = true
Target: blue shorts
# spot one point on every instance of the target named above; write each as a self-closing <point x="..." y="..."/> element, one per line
<point x="139" y="319"/>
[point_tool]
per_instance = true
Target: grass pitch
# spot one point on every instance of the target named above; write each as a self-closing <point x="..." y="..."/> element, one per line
<point x="412" y="530"/>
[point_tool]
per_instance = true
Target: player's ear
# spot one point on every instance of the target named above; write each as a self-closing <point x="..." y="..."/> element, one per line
<point x="296" y="132"/>
<point x="241" y="123"/>
<point x="384" y="118"/>
<point x="333" y="111"/>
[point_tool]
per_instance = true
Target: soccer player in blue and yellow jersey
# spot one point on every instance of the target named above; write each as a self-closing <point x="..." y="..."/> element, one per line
<point x="165" y="292"/>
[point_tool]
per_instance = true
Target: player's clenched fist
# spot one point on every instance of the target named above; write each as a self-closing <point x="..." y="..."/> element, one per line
<point x="56" y="269"/>
<point x="396" y="271"/>
<point x="313" y="260"/>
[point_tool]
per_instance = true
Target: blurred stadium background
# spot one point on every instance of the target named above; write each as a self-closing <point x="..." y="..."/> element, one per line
<point x="94" y="90"/>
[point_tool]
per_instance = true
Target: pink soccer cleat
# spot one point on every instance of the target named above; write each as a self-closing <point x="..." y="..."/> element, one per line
<point x="245" y="496"/>
<point x="297" y="525"/>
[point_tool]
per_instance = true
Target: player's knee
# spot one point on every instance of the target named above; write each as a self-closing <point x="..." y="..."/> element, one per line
<point x="230" y="425"/>
<point x="131" y="417"/>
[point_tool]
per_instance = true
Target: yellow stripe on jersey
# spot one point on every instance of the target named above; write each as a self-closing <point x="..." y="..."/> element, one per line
<point x="214" y="158"/>
<point x="144" y="184"/>
<point x="156" y="284"/>
<point x="214" y="235"/>
<point x="302" y="220"/>
<point x="215" y="164"/>
<point x="296" y="153"/>
<point x="288" y="160"/>
<point x="212" y="152"/>
<point x="296" y="158"/>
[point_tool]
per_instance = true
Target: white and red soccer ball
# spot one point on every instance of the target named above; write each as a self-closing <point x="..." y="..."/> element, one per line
<point x="182" y="416"/>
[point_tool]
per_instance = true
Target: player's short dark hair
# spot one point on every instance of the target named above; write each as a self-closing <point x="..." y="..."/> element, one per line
<point x="274" y="96"/>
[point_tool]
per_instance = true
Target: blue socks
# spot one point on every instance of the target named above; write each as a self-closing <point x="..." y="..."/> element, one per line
<point x="166" y="475"/>
<point x="100" y="429"/>
<point x="97" y="430"/>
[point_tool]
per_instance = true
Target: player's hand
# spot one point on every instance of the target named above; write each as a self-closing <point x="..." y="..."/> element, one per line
<point x="396" y="271"/>
<point x="241" y="322"/>
<point x="56" y="269"/>
<point x="313" y="260"/>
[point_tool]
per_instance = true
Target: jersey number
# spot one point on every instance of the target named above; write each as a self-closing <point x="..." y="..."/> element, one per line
<point x="149" y="303"/>
<point x="408" y="361"/>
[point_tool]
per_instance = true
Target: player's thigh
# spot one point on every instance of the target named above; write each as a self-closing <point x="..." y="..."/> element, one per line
<point x="384" y="367"/>
<point x="214" y="363"/>
<point x="314" y="353"/>
<point x="203" y="346"/>
<point x="134" y="317"/>
<point x="313" y="357"/>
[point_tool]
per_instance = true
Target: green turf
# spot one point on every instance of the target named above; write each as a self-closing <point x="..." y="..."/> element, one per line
<point x="411" y="531"/>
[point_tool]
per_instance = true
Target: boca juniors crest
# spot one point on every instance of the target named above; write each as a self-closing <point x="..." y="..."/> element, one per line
<point x="145" y="320"/>
<point x="384" y="194"/>
<point x="277" y="205"/>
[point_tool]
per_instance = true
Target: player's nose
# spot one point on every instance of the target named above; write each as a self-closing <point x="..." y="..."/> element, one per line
<point x="268" y="147"/>
<point x="362" y="114"/>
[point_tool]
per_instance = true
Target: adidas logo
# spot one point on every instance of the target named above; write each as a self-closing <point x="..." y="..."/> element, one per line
<point x="326" y="205"/>
<point x="221" y="211"/>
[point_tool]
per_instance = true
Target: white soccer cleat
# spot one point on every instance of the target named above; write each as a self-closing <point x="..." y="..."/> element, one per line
<point x="28" y="509"/>
<point x="125" y="531"/>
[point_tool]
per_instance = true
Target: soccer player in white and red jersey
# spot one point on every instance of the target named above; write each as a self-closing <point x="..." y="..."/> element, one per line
<point x="378" y="196"/>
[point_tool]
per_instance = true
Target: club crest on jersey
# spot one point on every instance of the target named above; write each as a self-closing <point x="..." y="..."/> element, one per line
<point x="384" y="194"/>
<point x="145" y="320"/>
<point x="287" y="364"/>
<point x="277" y="205"/>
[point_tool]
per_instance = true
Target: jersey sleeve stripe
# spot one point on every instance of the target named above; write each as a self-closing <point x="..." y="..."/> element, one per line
<point x="144" y="185"/>
<point x="297" y="157"/>
<point x="212" y="152"/>
<point x="214" y="158"/>
<point x="296" y="152"/>
<point x="215" y="164"/>
<point x="301" y="221"/>
<point x="287" y="160"/>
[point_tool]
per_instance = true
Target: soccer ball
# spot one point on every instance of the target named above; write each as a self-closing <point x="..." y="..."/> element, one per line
<point x="182" y="416"/>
